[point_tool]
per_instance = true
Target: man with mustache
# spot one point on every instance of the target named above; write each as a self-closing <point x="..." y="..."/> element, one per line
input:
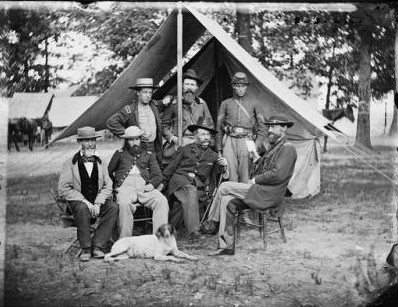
<point x="187" y="176"/>
<point x="193" y="108"/>
<point x="266" y="188"/>
<point x="143" y="113"/>
<point x="135" y="174"/>
<point x="240" y="120"/>
<point x="85" y="184"/>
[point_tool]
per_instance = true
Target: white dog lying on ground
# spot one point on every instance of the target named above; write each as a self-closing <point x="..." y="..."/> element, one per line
<point x="162" y="246"/>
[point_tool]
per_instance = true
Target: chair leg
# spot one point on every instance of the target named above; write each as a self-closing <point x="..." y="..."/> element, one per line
<point x="260" y="222"/>
<point x="74" y="243"/>
<point x="237" y="228"/>
<point x="264" y="230"/>
<point x="282" y="229"/>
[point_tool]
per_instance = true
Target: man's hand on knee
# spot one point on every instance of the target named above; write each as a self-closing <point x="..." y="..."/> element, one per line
<point x="149" y="187"/>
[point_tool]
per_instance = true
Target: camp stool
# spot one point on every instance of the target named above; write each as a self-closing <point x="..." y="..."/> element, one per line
<point x="68" y="220"/>
<point x="274" y="214"/>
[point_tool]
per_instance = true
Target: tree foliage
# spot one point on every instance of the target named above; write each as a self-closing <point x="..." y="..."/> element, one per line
<point x="22" y="40"/>
<point x="300" y="45"/>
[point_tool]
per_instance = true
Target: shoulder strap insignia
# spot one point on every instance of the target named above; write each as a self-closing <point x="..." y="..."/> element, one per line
<point x="128" y="109"/>
<point x="120" y="150"/>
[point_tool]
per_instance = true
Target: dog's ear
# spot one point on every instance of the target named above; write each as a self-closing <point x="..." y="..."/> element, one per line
<point x="159" y="232"/>
<point x="172" y="229"/>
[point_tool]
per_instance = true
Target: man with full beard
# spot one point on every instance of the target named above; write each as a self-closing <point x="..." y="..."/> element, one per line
<point x="187" y="176"/>
<point x="135" y="174"/>
<point x="265" y="190"/>
<point x="85" y="184"/>
<point x="193" y="108"/>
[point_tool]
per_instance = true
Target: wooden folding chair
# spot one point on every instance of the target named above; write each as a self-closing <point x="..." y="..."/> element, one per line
<point x="68" y="220"/>
<point x="274" y="214"/>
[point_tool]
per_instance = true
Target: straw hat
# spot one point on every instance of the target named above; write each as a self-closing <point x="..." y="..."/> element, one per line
<point x="143" y="83"/>
<point x="87" y="132"/>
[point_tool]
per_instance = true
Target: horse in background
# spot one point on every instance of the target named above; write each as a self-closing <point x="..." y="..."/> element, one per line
<point x="13" y="133"/>
<point x="28" y="127"/>
<point x="336" y="114"/>
<point x="19" y="128"/>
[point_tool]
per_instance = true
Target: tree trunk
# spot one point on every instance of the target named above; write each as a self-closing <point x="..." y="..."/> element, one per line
<point x="394" y="124"/>
<point x="330" y="83"/>
<point x="364" y="89"/>
<point x="243" y="27"/>
<point x="46" y="68"/>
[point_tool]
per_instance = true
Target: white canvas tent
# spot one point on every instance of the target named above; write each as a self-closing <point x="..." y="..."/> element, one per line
<point x="66" y="109"/>
<point x="29" y="105"/>
<point x="215" y="63"/>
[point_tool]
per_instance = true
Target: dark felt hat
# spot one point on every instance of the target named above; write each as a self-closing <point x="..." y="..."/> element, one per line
<point x="279" y="120"/>
<point x="201" y="125"/>
<point x="240" y="78"/>
<point x="191" y="74"/>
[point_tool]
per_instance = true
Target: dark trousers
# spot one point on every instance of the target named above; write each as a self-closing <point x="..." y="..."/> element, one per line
<point x="108" y="216"/>
<point x="227" y="239"/>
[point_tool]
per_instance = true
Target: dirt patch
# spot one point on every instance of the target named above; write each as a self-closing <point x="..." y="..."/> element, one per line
<point x="326" y="235"/>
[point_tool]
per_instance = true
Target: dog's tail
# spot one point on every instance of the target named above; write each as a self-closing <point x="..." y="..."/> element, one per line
<point x="108" y="258"/>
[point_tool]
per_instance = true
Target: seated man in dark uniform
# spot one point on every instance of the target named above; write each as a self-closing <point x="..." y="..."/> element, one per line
<point x="265" y="189"/>
<point x="189" y="172"/>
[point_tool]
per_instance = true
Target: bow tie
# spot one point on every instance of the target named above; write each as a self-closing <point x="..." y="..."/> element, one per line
<point x="88" y="159"/>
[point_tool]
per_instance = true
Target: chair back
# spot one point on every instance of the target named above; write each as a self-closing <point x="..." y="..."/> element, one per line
<point x="65" y="213"/>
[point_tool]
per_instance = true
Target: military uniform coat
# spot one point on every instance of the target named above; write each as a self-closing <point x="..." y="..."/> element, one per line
<point x="191" y="165"/>
<point x="272" y="175"/>
<point x="128" y="116"/>
<point x="123" y="161"/>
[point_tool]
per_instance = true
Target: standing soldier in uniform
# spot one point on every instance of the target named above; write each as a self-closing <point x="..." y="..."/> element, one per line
<point x="142" y="113"/>
<point x="239" y="120"/>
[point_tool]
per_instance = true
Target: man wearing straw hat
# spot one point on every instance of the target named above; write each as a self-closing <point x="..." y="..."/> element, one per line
<point x="136" y="174"/>
<point x="193" y="108"/>
<point x="142" y="113"/>
<point x="265" y="189"/>
<point x="85" y="184"/>
<point x="187" y="175"/>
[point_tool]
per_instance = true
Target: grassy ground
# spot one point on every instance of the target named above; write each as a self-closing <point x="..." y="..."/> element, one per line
<point x="315" y="267"/>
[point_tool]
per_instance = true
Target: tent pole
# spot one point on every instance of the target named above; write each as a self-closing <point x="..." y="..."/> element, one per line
<point x="179" y="71"/>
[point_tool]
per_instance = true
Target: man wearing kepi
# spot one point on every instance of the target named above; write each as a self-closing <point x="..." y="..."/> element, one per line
<point x="142" y="113"/>
<point x="85" y="184"/>
<point x="265" y="189"/>
<point x="193" y="108"/>
<point x="239" y="121"/>
<point x="188" y="174"/>
<point x="136" y="174"/>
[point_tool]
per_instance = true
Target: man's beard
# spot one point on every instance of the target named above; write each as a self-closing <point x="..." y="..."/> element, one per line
<point x="88" y="151"/>
<point x="204" y="144"/>
<point x="273" y="138"/>
<point x="189" y="96"/>
<point x="134" y="150"/>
